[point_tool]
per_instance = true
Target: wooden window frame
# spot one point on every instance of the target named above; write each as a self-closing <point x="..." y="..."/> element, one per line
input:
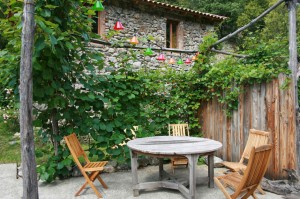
<point x="100" y="22"/>
<point x="171" y="23"/>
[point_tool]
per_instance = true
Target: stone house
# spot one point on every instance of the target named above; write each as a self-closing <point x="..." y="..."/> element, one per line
<point x="156" y="25"/>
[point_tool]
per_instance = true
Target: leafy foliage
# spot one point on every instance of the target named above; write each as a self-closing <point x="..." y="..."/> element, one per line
<point x="72" y="95"/>
<point x="226" y="79"/>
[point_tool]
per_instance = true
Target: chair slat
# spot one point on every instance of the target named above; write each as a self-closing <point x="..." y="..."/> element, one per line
<point x="179" y="130"/>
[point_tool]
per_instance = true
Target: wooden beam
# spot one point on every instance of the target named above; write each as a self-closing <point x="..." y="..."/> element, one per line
<point x="30" y="185"/>
<point x="249" y="24"/>
<point x="293" y="62"/>
<point x="229" y="53"/>
<point x="171" y="34"/>
<point x="167" y="49"/>
<point x="139" y="47"/>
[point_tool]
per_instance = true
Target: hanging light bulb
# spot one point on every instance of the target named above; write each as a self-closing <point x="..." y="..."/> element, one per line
<point x="98" y="6"/>
<point x="148" y="52"/>
<point x="180" y="61"/>
<point x="134" y="40"/>
<point x="161" y="57"/>
<point x="188" y="61"/>
<point x="172" y="60"/>
<point x="118" y="26"/>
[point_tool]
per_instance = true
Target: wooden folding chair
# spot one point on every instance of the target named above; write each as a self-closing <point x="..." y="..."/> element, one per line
<point x="256" y="138"/>
<point x="245" y="184"/>
<point x="179" y="130"/>
<point x="91" y="170"/>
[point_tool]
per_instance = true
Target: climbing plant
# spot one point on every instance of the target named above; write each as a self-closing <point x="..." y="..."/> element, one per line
<point x="72" y="95"/>
<point x="226" y="78"/>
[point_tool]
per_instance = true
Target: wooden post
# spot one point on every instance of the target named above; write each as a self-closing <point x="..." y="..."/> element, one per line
<point x="293" y="62"/>
<point x="30" y="186"/>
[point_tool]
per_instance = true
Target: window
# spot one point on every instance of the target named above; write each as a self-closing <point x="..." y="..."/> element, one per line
<point x="172" y="34"/>
<point x="99" y="25"/>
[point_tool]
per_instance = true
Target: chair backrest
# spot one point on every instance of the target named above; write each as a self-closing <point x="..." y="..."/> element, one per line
<point x="179" y="129"/>
<point x="76" y="149"/>
<point x="256" y="138"/>
<point x="256" y="168"/>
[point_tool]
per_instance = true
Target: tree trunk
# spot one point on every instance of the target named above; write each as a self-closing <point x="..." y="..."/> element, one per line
<point x="30" y="185"/>
<point x="293" y="66"/>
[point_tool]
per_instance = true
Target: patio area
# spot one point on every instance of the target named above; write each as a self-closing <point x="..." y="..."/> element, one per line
<point x="119" y="183"/>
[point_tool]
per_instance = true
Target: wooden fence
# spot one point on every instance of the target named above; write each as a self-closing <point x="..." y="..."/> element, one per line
<point x="265" y="107"/>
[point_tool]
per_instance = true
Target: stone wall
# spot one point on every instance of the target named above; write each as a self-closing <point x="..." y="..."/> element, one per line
<point x="142" y="23"/>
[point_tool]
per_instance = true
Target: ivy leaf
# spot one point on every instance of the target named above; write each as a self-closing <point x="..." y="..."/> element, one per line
<point x="69" y="45"/>
<point x="109" y="127"/>
<point x="39" y="44"/>
<point x="60" y="165"/>
<point x="43" y="26"/>
<point x="44" y="176"/>
<point x="45" y="13"/>
<point x="131" y="96"/>
<point x="102" y="126"/>
<point x="53" y="40"/>
<point x="36" y="65"/>
<point x="91" y="96"/>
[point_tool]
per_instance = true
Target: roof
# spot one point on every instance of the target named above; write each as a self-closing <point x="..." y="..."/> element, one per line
<point x="186" y="10"/>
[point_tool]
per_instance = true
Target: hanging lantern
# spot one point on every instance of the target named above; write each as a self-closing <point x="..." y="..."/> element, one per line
<point x="98" y="6"/>
<point x="148" y="52"/>
<point x="188" y="61"/>
<point x="194" y="58"/>
<point x="118" y="26"/>
<point x="172" y="60"/>
<point x="134" y="40"/>
<point x="161" y="57"/>
<point x="180" y="61"/>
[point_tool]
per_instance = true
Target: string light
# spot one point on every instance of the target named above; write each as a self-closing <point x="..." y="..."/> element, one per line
<point x="98" y="6"/>
<point x="118" y="26"/>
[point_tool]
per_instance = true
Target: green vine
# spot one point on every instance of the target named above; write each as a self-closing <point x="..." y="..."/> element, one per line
<point x="69" y="90"/>
<point x="225" y="79"/>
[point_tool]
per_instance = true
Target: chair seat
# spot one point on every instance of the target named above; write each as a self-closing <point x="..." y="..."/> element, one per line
<point x="235" y="166"/>
<point x="232" y="179"/>
<point x="95" y="166"/>
<point x="180" y="161"/>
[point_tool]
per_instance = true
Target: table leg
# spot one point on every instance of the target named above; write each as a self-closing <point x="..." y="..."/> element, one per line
<point x="161" y="168"/>
<point x="193" y="159"/>
<point x="134" y="172"/>
<point x="211" y="170"/>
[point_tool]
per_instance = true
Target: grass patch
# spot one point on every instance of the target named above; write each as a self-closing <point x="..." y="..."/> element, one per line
<point x="10" y="145"/>
<point x="10" y="149"/>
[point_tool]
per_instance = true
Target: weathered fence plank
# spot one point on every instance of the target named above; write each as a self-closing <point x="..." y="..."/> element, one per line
<point x="265" y="107"/>
<point x="270" y="120"/>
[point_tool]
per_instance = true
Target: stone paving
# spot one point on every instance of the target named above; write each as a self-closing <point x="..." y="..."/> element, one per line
<point x="119" y="184"/>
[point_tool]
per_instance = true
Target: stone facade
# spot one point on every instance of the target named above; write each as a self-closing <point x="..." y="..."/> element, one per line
<point x="144" y="22"/>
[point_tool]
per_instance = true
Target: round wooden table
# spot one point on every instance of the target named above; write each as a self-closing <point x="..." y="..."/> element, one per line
<point x="172" y="146"/>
